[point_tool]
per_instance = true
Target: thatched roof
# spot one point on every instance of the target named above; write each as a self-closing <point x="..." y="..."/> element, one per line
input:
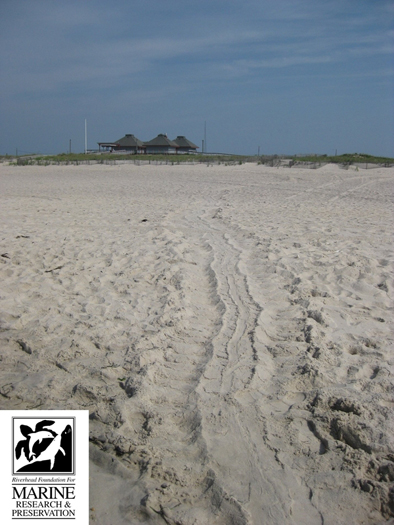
<point x="183" y="142"/>
<point x="161" y="140"/>
<point x="129" y="141"/>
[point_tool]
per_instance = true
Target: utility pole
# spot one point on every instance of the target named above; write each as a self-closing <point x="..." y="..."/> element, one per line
<point x="205" y="136"/>
<point x="86" y="136"/>
<point x="70" y="147"/>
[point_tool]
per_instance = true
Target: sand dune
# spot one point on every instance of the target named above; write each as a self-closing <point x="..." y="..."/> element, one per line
<point x="229" y="328"/>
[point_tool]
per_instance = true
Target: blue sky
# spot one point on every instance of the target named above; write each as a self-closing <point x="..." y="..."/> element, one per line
<point x="297" y="76"/>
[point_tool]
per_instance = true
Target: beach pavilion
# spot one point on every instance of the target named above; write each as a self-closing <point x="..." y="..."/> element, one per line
<point x="161" y="144"/>
<point x="128" y="143"/>
<point x="185" y="145"/>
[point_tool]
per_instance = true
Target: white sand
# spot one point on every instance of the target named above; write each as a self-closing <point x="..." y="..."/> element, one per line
<point x="229" y="328"/>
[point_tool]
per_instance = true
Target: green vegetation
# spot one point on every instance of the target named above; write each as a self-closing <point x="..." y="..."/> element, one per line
<point x="346" y="159"/>
<point x="109" y="158"/>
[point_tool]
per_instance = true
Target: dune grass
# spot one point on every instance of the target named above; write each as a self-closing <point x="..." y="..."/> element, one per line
<point x="346" y="159"/>
<point x="107" y="158"/>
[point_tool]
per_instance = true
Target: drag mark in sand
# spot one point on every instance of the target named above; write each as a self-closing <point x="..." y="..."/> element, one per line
<point x="233" y="421"/>
<point x="234" y="352"/>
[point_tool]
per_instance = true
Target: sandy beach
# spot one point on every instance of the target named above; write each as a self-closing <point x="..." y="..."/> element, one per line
<point x="229" y="329"/>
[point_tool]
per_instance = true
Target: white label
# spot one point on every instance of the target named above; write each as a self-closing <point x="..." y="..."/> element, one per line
<point x="44" y="473"/>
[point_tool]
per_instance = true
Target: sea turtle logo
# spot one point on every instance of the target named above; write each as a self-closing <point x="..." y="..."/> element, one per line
<point x="46" y="447"/>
